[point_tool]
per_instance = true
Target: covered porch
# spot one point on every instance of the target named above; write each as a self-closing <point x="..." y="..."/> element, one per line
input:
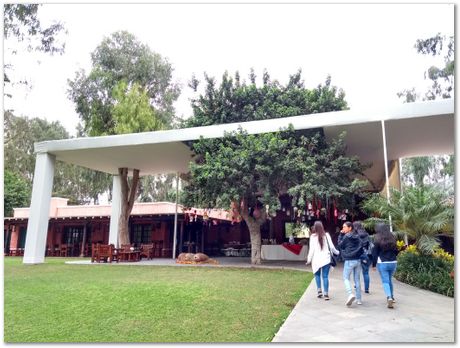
<point x="379" y="136"/>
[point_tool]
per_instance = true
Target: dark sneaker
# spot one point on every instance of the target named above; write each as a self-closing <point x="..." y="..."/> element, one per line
<point x="366" y="291"/>
<point x="320" y="294"/>
<point x="389" y="302"/>
<point x="326" y="297"/>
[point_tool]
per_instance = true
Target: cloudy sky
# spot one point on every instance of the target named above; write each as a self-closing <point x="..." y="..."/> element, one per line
<point x="368" y="49"/>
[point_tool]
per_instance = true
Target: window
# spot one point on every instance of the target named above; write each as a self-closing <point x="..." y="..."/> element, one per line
<point x="141" y="234"/>
<point x="22" y="237"/>
<point x="73" y="235"/>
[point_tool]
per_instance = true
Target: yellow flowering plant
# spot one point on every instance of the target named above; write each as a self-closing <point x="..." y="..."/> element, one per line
<point x="400" y="245"/>
<point x="412" y="249"/>
<point x="442" y="254"/>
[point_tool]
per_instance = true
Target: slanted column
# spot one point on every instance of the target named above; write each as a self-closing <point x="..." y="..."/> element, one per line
<point x="37" y="227"/>
<point x="116" y="210"/>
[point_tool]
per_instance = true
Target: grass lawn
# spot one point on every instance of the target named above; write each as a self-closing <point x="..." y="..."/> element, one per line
<point x="55" y="302"/>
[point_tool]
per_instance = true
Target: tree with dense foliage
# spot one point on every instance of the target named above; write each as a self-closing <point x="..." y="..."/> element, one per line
<point x="427" y="170"/>
<point x="16" y="192"/>
<point x="121" y="57"/>
<point x="443" y="79"/>
<point x="421" y="212"/>
<point x="236" y="101"/>
<point x="79" y="185"/>
<point x="21" y="22"/>
<point x="249" y="173"/>
<point x="129" y="90"/>
<point x="132" y="112"/>
<point x="416" y="169"/>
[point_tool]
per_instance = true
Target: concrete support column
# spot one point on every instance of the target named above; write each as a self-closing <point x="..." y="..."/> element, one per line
<point x="116" y="210"/>
<point x="37" y="227"/>
<point x="175" y="217"/>
<point x="385" y="157"/>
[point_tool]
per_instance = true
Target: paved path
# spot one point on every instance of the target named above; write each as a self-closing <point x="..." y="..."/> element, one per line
<point x="418" y="316"/>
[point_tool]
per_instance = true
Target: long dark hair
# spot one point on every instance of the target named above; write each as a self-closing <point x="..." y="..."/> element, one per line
<point x="319" y="230"/>
<point x="384" y="238"/>
<point x="358" y="227"/>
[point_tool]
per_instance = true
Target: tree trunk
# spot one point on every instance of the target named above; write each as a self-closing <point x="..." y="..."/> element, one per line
<point x="128" y="196"/>
<point x="256" y="245"/>
<point x="254" y="231"/>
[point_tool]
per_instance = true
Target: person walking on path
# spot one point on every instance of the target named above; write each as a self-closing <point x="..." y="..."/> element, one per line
<point x="365" y="259"/>
<point x="384" y="255"/>
<point x="319" y="255"/>
<point x="351" y="248"/>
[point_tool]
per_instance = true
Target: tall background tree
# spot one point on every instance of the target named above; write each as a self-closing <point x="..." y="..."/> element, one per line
<point x="16" y="192"/>
<point x="121" y="57"/>
<point x="79" y="185"/>
<point x="249" y="173"/>
<point x="129" y="89"/>
<point x="432" y="169"/>
<point x="22" y="24"/>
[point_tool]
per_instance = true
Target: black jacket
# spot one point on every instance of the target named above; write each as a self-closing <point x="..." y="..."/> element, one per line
<point x="350" y="246"/>
<point x="385" y="255"/>
<point x="364" y="239"/>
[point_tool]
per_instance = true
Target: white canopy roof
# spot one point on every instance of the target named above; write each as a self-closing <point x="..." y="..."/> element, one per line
<point x="414" y="129"/>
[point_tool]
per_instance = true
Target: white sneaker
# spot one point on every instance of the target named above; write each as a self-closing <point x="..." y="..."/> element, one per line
<point x="350" y="300"/>
<point x="359" y="302"/>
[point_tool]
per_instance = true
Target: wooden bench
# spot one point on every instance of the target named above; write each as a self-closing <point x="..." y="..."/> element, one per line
<point x="104" y="253"/>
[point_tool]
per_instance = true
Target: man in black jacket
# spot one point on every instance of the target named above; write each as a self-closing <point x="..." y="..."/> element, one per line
<point x="351" y="248"/>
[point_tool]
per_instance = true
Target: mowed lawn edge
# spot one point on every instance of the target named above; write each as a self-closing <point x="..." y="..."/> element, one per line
<point x="55" y="302"/>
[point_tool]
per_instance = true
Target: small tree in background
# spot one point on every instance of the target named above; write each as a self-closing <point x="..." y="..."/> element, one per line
<point x="16" y="192"/>
<point x="423" y="213"/>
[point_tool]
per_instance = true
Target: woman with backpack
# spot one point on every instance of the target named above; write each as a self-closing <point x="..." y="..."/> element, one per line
<point x="366" y="256"/>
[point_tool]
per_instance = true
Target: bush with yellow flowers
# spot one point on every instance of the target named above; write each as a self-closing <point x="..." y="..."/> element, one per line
<point x="431" y="272"/>
<point x="400" y="245"/>
<point x="412" y="249"/>
<point x="442" y="254"/>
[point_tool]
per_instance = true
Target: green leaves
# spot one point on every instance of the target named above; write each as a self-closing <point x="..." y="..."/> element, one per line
<point x="420" y="212"/>
<point x="260" y="168"/>
<point x="132" y="112"/>
<point x="17" y="192"/>
<point x="148" y="78"/>
<point x="236" y="101"/>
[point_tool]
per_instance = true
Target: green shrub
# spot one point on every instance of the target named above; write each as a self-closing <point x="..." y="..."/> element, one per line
<point x="426" y="272"/>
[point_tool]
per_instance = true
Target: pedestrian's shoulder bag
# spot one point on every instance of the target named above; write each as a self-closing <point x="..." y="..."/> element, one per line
<point x="333" y="262"/>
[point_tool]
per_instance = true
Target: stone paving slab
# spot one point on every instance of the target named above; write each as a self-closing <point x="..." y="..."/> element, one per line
<point x="418" y="316"/>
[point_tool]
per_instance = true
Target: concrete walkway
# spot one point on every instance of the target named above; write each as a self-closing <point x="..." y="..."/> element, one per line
<point x="418" y="316"/>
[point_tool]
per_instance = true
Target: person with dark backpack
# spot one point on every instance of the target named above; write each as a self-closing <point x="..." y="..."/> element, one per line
<point x="365" y="259"/>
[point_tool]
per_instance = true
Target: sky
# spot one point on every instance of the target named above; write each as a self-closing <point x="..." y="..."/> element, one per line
<point x="368" y="49"/>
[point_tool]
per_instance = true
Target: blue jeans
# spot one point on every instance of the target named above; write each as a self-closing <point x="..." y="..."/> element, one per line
<point x="325" y="271"/>
<point x="386" y="271"/>
<point x="348" y="267"/>
<point x="365" y="267"/>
